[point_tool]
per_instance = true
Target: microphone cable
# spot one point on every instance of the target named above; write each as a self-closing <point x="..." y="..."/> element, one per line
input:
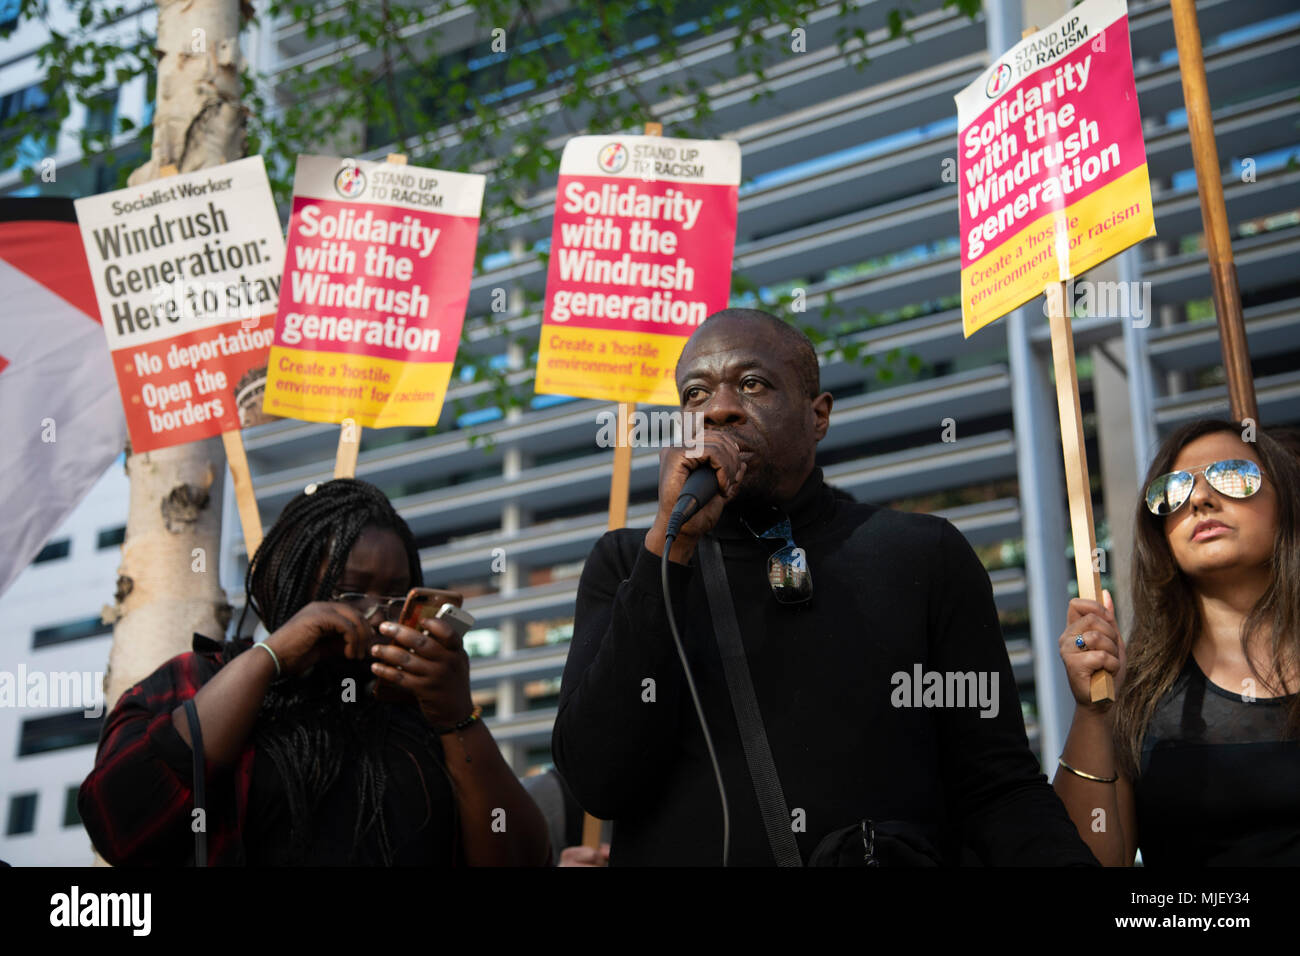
<point x="669" y="537"/>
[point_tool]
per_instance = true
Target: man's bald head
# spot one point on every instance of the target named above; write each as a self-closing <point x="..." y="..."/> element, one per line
<point x="797" y="348"/>
<point x="752" y="377"/>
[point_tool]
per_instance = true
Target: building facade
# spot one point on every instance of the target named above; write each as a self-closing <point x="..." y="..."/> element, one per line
<point x="55" y="651"/>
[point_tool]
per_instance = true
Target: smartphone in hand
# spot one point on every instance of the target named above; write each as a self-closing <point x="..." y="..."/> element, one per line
<point x="434" y="603"/>
<point x="422" y="603"/>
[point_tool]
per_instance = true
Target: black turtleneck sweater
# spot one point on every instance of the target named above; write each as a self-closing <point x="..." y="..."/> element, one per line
<point x="892" y="592"/>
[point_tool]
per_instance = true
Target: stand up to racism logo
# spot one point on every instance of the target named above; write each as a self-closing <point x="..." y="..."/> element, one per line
<point x="612" y="157"/>
<point x="350" y="182"/>
<point x="999" y="80"/>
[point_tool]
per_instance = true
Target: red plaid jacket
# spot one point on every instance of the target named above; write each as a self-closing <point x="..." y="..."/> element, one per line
<point x="137" y="804"/>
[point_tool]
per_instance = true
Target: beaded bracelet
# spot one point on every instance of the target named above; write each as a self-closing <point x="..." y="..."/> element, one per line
<point x="460" y="725"/>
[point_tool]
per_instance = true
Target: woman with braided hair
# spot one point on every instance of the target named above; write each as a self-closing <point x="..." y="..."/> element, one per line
<point x="342" y="739"/>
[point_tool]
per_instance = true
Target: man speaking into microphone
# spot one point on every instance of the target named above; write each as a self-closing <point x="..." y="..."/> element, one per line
<point x="847" y="658"/>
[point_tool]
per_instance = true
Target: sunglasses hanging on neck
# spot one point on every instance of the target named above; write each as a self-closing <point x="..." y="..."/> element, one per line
<point x="787" y="567"/>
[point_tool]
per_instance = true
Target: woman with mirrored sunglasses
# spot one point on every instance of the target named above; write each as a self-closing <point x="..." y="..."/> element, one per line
<point x="1197" y="762"/>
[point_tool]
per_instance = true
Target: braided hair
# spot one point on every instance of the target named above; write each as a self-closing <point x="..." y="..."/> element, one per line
<point x="319" y="525"/>
<point x="306" y="729"/>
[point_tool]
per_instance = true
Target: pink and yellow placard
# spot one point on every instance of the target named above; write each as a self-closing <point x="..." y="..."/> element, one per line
<point x="641" y="249"/>
<point x="376" y="281"/>
<point x="1051" y="168"/>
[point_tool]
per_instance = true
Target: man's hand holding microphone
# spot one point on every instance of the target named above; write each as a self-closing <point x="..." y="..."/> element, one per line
<point x="696" y="480"/>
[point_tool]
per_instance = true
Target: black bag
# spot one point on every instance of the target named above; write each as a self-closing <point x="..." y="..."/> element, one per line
<point x="871" y="843"/>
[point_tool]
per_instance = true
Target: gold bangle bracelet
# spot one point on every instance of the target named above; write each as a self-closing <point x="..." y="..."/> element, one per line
<point x="1086" y="776"/>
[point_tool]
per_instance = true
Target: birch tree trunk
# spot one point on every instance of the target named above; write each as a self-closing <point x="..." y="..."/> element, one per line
<point x="168" y="584"/>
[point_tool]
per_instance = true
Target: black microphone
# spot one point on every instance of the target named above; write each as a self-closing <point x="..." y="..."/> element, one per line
<point x="700" y="487"/>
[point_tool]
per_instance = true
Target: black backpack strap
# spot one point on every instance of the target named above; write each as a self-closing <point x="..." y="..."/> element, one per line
<point x="753" y="738"/>
<point x="200" y="796"/>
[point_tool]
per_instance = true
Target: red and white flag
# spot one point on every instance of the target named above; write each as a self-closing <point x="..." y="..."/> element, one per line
<point x="60" y="410"/>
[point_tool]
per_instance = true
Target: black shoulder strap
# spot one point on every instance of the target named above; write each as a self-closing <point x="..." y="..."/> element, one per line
<point x="200" y="797"/>
<point x="753" y="738"/>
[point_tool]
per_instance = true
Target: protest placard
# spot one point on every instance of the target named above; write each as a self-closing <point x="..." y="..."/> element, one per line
<point x="1051" y="168"/>
<point x="641" y="250"/>
<point x="1052" y="179"/>
<point x="187" y="275"/>
<point x="376" y="280"/>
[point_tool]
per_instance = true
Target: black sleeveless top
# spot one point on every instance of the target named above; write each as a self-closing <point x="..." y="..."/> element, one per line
<point x="1219" y="785"/>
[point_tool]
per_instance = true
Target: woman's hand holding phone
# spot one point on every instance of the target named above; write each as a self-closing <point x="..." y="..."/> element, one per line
<point x="430" y="662"/>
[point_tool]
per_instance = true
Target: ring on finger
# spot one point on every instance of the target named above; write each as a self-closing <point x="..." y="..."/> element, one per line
<point x="1080" y="643"/>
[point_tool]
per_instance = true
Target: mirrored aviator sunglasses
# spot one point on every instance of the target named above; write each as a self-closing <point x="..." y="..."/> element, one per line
<point x="788" y="574"/>
<point x="1234" y="477"/>
<point x="787" y="568"/>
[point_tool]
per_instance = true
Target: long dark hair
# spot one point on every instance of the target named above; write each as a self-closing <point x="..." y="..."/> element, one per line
<point x="304" y="726"/>
<point x="1166" y="616"/>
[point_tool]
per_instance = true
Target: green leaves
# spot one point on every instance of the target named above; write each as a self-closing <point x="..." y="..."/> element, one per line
<point x="969" y="7"/>
<point x="85" y="67"/>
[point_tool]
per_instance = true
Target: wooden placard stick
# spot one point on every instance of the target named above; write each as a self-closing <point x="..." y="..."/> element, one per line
<point x="250" y="519"/>
<point x="620" y="481"/>
<point x="1214" y="215"/>
<point x="1076" y="465"/>
<point x="621" y="478"/>
<point x="345" y="458"/>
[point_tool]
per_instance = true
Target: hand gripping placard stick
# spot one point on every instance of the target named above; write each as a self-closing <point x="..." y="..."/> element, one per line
<point x="619" y="482"/>
<point x="250" y="519"/>
<point x="345" y="459"/>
